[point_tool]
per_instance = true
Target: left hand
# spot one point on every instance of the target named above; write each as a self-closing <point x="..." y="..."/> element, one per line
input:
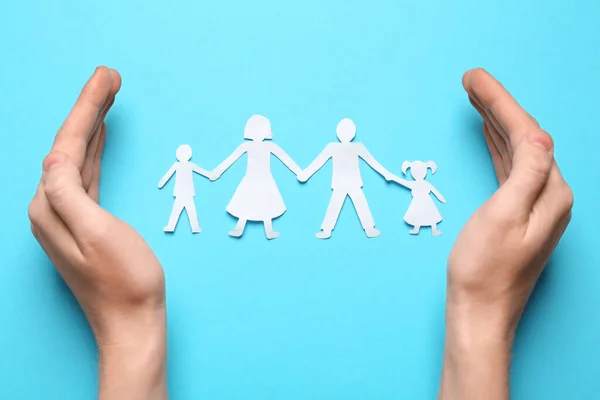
<point x="111" y="270"/>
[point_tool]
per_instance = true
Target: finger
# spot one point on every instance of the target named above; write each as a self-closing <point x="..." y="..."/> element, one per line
<point x="510" y="116"/>
<point x="497" y="160"/>
<point x="496" y="139"/>
<point x="90" y="157"/>
<point x="485" y="112"/>
<point x="532" y="164"/>
<point x="94" y="189"/>
<point x="73" y="137"/>
<point x="500" y="134"/>
<point x="65" y="194"/>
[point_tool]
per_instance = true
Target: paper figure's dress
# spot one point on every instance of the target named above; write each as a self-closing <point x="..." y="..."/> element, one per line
<point x="257" y="197"/>
<point x="422" y="210"/>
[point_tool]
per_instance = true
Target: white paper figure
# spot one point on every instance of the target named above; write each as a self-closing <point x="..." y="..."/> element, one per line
<point x="184" y="192"/>
<point x="346" y="179"/>
<point x="422" y="210"/>
<point x="257" y="197"/>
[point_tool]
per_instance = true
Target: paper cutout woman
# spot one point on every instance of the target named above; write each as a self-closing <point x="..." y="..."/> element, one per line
<point x="422" y="210"/>
<point x="184" y="192"/>
<point x="257" y="197"/>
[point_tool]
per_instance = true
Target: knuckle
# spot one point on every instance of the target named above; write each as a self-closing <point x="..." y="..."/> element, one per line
<point x="530" y="132"/>
<point x="541" y="132"/>
<point x="567" y="198"/>
<point x="35" y="211"/>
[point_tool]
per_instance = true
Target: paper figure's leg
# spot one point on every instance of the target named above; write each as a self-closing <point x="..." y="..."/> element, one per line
<point x="269" y="229"/>
<point x="190" y="207"/>
<point x="364" y="213"/>
<point x="333" y="212"/>
<point x="415" y="230"/>
<point x="178" y="206"/>
<point x="435" y="231"/>
<point x="239" y="228"/>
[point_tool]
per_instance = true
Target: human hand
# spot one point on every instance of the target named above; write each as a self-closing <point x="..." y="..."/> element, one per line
<point x="113" y="273"/>
<point x="503" y="248"/>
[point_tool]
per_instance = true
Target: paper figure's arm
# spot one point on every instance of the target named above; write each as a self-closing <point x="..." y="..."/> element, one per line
<point x="436" y="193"/>
<point x="373" y="163"/>
<point x="201" y="171"/>
<point x="316" y="164"/>
<point x="167" y="176"/>
<point x="285" y="159"/>
<point x="228" y="162"/>
<point x="400" y="181"/>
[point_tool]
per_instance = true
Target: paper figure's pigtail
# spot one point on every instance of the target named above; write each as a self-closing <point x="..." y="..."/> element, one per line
<point x="405" y="166"/>
<point x="432" y="165"/>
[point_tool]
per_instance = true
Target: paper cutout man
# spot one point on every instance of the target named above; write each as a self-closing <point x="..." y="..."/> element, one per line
<point x="346" y="179"/>
<point x="184" y="192"/>
<point x="422" y="210"/>
<point x="257" y="197"/>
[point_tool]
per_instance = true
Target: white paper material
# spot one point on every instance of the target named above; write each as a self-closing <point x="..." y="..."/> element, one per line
<point x="257" y="197"/>
<point x="346" y="180"/>
<point x="422" y="210"/>
<point x="184" y="191"/>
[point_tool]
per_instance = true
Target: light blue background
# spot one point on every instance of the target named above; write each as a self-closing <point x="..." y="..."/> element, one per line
<point x="297" y="318"/>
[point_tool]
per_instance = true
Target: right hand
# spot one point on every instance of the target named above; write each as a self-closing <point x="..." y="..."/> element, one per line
<point x="502" y="250"/>
<point x="111" y="270"/>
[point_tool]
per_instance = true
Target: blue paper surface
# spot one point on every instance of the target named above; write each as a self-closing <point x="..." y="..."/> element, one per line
<point x="297" y="317"/>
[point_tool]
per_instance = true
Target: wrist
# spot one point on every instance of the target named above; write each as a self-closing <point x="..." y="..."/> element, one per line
<point x="477" y="353"/>
<point x="132" y="359"/>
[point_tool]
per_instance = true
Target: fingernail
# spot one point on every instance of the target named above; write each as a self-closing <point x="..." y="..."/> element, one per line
<point x="52" y="161"/>
<point x="543" y="140"/>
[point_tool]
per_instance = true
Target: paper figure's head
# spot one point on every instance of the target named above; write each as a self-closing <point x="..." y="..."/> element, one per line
<point x="258" y="128"/>
<point x="346" y="130"/>
<point x="184" y="153"/>
<point x="418" y="169"/>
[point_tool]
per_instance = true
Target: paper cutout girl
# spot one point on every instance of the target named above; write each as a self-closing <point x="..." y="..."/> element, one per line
<point x="184" y="192"/>
<point x="422" y="210"/>
<point x="257" y="197"/>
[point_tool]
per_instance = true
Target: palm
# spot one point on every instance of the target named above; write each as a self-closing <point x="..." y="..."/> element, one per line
<point x="518" y="227"/>
<point x="102" y="259"/>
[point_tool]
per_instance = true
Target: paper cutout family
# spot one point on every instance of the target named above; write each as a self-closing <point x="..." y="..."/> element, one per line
<point x="257" y="197"/>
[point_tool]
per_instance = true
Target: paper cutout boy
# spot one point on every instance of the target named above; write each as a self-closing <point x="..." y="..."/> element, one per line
<point x="184" y="191"/>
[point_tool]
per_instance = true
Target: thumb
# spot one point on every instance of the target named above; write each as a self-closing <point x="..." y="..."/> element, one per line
<point x="64" y="190"/>
<point x="532" y="161"/>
